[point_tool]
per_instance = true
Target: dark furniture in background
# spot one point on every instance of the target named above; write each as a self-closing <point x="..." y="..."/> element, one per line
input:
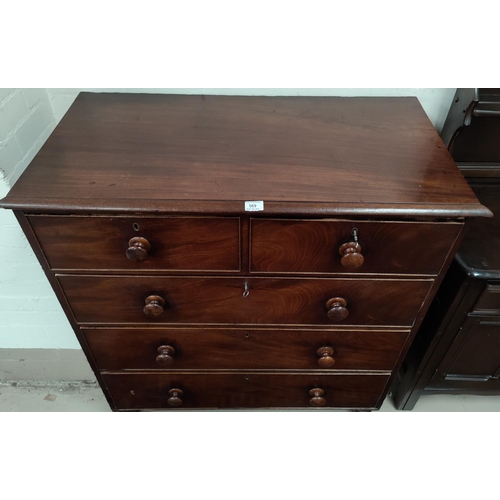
<point x="140" y="208"/>
<point x="457" y="348"/>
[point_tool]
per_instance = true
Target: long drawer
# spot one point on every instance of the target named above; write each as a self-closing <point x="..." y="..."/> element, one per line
<point x="189" y="349"/>
<point x="217" y="300"/>
<point x="139" y="243"/>
<point x="244" y="390"/>
<point x="315" y="246"/>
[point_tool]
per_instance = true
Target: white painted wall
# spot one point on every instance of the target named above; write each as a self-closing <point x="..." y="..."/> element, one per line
<point x="30" y="315"/>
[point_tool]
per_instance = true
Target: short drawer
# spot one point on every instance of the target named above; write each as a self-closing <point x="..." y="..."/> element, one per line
<point x="139" y="244"/>
<point x="489" y="300"/>
<point x="186" y="349"/>
<point x="244" y="390"/>
<point x="311" y="246"/>
<point x="263" y="301"/>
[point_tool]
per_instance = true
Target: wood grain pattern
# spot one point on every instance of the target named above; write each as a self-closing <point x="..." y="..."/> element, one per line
<point x="216" y="349"/>
<point x="103" y="299"/>
<point x="177" y="243"/>
<point x="308" y="246"/>
<point x="129" y="151"/>
<point x="244" y="390"/>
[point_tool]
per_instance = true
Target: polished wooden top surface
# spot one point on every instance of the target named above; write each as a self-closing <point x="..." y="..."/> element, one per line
<point x="300" y="155"/>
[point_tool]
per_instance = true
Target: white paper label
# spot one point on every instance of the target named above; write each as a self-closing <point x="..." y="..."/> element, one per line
<point x="254" y="206"/>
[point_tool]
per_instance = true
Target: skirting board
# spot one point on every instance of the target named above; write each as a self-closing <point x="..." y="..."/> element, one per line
<point x="44" y="364"/>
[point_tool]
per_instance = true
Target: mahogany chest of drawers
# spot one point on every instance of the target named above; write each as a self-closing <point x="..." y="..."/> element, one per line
<point x="244" y="252"/>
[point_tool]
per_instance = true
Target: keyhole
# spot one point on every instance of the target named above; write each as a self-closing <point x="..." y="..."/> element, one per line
<point x="135" y="226"/>
<point x="247" y="335"/>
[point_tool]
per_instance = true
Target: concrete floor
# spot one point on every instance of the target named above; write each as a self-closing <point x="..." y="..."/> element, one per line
<point x="27" y="396"/>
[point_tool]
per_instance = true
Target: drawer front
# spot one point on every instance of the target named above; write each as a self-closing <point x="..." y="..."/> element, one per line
<point x="132" y="299"/>
<point x="475" y="351"/>
<point x="243" y="390"/>
<point x="308" y="246"/>
<point x="161" y="243"/>
<point x="182" y="349"/>
<point x="489" y="300"/>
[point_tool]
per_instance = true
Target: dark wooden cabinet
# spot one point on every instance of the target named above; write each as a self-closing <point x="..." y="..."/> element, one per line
<point x="457" y="349"/>
<point x="244" y="252"/>
<point x="474" y="354"/>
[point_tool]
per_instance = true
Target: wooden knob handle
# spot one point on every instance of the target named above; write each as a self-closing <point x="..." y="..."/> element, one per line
<point x="138" y="249"/>
<point x="337" y="309"/>
<point x="325" y="357"/>
<point x="351" y="255"/>
<point x="316" y="399"/>
<point x="174" y="399"/>
<point x="154" y="306"/>
<point x="165" y="355"/>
